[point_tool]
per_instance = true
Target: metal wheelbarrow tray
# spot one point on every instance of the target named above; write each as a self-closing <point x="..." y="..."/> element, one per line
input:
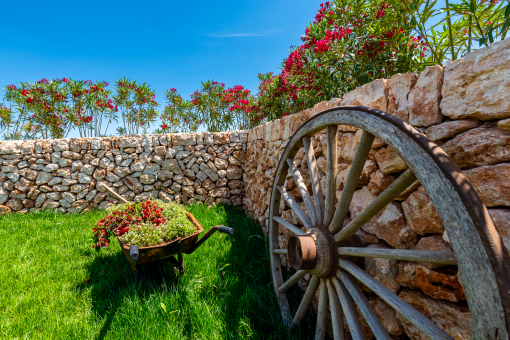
<point x="138" y="256"/>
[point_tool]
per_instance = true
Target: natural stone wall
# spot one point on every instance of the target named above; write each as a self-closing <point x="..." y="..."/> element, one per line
<point x="464" y="107"/>
<point x="67" y="174"/>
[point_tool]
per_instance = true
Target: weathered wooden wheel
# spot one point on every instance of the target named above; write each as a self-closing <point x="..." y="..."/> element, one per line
<point x="479" y="253"/>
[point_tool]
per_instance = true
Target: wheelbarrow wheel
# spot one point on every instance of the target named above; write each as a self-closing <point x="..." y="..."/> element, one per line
<point x="326" y="249"/>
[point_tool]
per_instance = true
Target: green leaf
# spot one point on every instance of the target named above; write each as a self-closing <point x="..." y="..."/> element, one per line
<point x="163" y="306"/>
<point x="507" y="10"/>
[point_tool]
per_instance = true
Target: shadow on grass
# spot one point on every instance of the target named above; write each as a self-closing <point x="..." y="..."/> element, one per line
<point x="111" y="280"/>
<point x="253" y="296"/>
<point x="241" y="283"/>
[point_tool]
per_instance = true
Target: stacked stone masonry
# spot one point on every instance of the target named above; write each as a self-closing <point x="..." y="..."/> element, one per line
<point x="68" y="174"/>
<point x="464" y="107"/>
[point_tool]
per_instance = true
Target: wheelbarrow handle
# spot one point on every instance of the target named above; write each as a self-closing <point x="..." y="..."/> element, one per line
<point x="225" y="230"/>
<point x="220" y="228"/>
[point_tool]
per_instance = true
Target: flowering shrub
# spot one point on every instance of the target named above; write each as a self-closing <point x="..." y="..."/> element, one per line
<point x="217" y="107"/>
<point x="350" y="43"/>
<point x="353" y="42"/>
<point x="137" y="105"/>
<point x="143" y="224"/>
<point x="51" y="109"/>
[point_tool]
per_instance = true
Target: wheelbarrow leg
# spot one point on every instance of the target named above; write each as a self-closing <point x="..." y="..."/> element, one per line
<point x="177" y="263"/>
<point x="138" y="273"/>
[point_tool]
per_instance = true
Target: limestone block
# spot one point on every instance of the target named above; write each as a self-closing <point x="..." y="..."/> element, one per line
<point x="437" y="285"/>
<point x="399" y="87"/>
<point x="343" y="171"/>
<point x="87" y="169"/>
<point x="478" y="85"/>
<point x="423" y="104"/>
<point x="27" y="147"/>
<point x="491" y="183"/>
<point x="84" y="178"/>
<point x="450" y="129"/>
<point x="210" y="173"/>
<point x="267" y="129"/>
<point x="480" y="146"/>
<point x="504" y="124"/>
<point x="61" y="145"/>
<point x="43" y="178"/>
<point x="501" y="218"/>
<point x="172" y="166"/>
<point x="388" y="160"/>
<point x="379" y="181"/>
<point x="130" y="142"/>
<point x="4" y="195"/>
<point x="219" y="192"/>
<point x="389" y="224"/>
<point x="455" y="319"/>
<point x="275" y="130"/>
<point x="221" y="138"/>
<point x="373" y="95"/>
<point x="421" y="215"/>
<point x="383" y="270"/>
<point x="433" y="243"/>
<point x="234" y="172"/>
<point x="4" y="209"/>
<point x="10" y="147"/>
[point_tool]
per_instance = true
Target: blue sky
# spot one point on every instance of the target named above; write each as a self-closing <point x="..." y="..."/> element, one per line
<point x="163" y="43"/>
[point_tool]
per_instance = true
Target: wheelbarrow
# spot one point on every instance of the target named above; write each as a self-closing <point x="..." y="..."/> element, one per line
<point x="168" y="251"/>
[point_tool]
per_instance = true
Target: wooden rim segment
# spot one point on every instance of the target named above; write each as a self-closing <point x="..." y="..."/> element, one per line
<point x="482" y="259"/>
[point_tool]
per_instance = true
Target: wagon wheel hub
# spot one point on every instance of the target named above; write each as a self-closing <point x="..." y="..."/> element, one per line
<point x="315" y="251"/>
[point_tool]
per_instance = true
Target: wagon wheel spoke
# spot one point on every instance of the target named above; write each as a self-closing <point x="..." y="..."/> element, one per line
<point x="295" y="206"/>
<point x="412" y="315"/>
<point x="441" y="257"/>
<point x="335" y="308"/>
<point x="293" y="279"/>
<point x="388" y="195"/>
<point x="322" y="312"/>
<point x="288" y="225"/>
<point x="314" y="177"/>
<point x="300" y="183"/>
<point x="307" y="299"/>
<point x="331" y="169"/>
<point x="280" y="251"/>
<point x="348" y="308"/>
<point x="351" y="182"/>
<point x="364" y="306"/>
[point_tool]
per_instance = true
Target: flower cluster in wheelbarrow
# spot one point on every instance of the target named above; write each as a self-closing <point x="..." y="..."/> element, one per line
<point x="143" y="224"/>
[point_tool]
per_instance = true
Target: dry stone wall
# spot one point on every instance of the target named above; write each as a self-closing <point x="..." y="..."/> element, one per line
<point x="464" y="107"/>
<point x="67" y="174"/>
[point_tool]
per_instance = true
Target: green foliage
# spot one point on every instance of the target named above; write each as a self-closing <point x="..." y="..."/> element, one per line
<point x="215" y="106"/>
<point x="137" y="105"/>
<point x="459" y="26"/>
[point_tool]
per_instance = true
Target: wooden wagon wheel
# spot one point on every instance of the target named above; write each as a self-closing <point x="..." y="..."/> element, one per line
<point x="479" y="252"/>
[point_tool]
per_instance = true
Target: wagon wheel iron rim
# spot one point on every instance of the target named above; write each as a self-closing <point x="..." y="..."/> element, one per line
<point x="484" y="266"/>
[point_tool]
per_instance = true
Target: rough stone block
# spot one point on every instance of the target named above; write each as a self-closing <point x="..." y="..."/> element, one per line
<point x="478" y="85"/>
<point x="423" y="104"/>
<point x="373" y="95"/>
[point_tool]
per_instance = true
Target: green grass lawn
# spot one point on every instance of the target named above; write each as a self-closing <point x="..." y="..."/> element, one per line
<point x="54" y="285"/>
